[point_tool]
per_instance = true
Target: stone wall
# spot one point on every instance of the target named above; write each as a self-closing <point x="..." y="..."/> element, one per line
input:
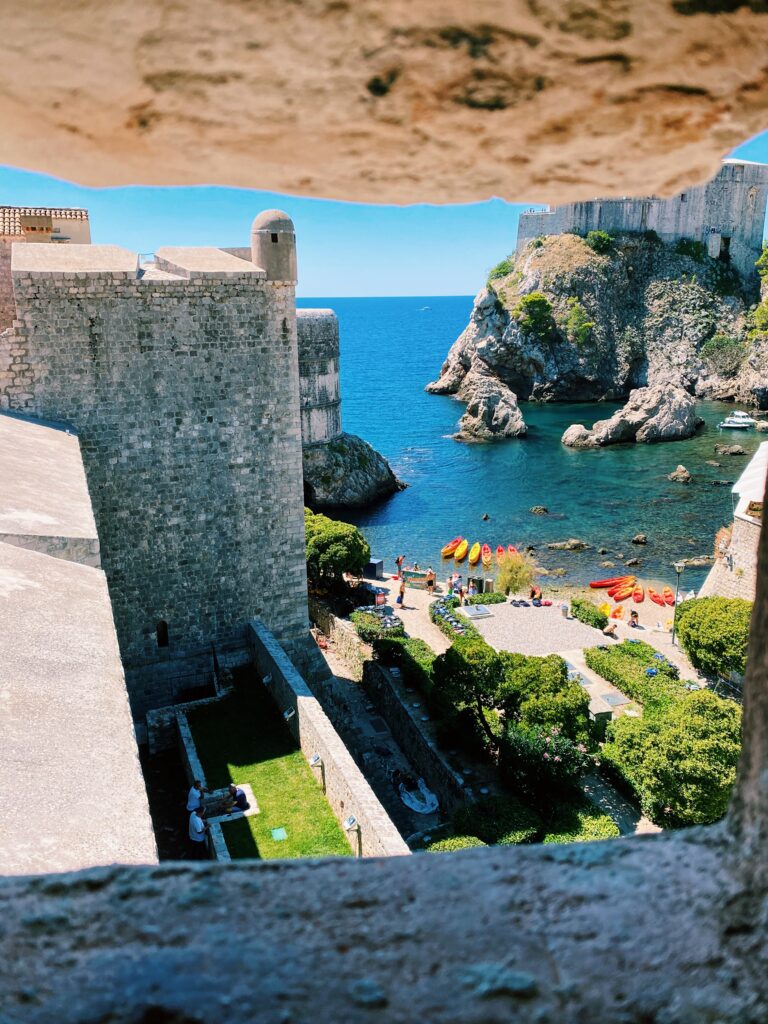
<point x="415" y="744"/>
<point x="346" y="789"/>
<point x="318" y="340"/>
<point x="734" y="574"/>
<point x="183" y="387"/>
<point x="731" y="206"/>
<point x="7" y="304"/>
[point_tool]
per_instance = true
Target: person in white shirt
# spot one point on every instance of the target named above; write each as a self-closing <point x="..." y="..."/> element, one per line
<point x="198" y="831"/>
<point x="195" y="796"/>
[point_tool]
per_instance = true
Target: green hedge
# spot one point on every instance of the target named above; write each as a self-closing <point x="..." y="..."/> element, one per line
<point x="499" y="820"/>
<point x="714" y="632"/>
<point x="587" y="612"/>
<point x="625" y="666"/>
<point x="453" y="843"/>
<point x="369" y="627"/>
<point x="412" y="656"/>
<point x="492" y="598"/>
<point x="579" y="822"/>
<point x="444" y="626"/>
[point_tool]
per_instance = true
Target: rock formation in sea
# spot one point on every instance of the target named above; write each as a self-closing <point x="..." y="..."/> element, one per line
<point x="561" y="321"/>
<point x="492" y="411"/>
<point x="661" y="413"/>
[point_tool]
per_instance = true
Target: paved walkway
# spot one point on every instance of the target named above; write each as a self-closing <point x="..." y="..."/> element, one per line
<point x="415" y="614"/>
<point x="611" y="802"/>
<point x="535" y="630"/>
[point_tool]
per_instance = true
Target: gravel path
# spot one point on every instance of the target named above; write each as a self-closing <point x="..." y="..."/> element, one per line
<point x="535" y="630"/>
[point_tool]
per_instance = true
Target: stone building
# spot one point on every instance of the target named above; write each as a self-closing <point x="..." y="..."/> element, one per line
<point x="181" y="379"/>
<point x="727" y="215"/>
<point x="34" y="224"/>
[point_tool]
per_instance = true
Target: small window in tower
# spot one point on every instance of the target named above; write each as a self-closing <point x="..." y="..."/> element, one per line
<point x="274" y="236"/>
<point x="683" y="198"/>
<point x="162" y="633"/>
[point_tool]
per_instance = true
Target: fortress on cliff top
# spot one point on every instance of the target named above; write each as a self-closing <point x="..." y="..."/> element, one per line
<point x="181" y="378"/>
<point x="727" y="214"/>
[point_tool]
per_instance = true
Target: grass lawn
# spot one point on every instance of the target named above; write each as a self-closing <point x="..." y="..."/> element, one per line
<point x="244" y="739"/>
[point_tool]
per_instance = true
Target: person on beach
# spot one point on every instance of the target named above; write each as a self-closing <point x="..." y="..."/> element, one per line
<point x="401" y="594"/>
<point x="610" y="630"/>
<point x="431" y="580"/>
<point x="634" y="620"/>
<point x="462" y="593"/>
<point x="399" y="563"/>
<point x="472" y="589"/>
<point x="535" y="595"/>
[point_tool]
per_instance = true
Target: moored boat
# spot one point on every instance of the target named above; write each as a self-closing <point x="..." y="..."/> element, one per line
<point x="474" y="554"/>
<point x="618" y="612"/>
<point x="511" y="549"/>
<point x="624" y="593"/>
<point x="449" y="549"/>
<point x="486" y="555"/>
<point x="668" y="595"/>
<point x="738" y="420"/>
<point x="638" y="594"/>
<point x="655" y="596"/>
<point x="500" y="554"/>
<point x="461" y="551"/>
<point x="614" y="581"/>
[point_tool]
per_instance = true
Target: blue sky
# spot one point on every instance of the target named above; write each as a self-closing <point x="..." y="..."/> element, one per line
<point x="386" y="250"/>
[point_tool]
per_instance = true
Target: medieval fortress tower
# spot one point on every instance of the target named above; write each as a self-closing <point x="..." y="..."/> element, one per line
<point x="727" y="215"/>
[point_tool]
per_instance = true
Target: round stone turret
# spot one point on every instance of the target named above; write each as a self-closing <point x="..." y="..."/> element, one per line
<point x="318" y="335"/>
<point x="273" y="245"/>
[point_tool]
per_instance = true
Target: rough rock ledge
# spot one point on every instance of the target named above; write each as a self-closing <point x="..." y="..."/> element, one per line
<point x="346" y="473"/>
<point x="663" y="412"/>
<point x="492" y="412"/>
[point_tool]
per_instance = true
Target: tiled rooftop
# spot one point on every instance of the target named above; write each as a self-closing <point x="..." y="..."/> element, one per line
<point x="10" y="216"/>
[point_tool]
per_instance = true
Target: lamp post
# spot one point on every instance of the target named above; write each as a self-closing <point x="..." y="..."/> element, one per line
<point x="679" y="566"/>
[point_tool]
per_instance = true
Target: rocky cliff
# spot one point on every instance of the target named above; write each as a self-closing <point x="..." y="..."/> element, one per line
<point x="562" y="321"/>
<point x="346" y="472"/>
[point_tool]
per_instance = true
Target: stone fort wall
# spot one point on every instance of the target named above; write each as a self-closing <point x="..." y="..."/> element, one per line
<point x="318" y="338"/>
<point x="183" y="387"/>
<point x="726" y="213"/>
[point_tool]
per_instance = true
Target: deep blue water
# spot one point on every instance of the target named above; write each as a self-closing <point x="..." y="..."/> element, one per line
<point x="391" y="348"/>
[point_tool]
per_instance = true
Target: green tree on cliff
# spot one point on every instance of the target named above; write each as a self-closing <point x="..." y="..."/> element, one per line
<point x="333" y="548"/>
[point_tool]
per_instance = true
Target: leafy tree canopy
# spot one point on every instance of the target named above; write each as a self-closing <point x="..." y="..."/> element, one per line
<point x="333" y="548"/>
<point x="714" y="632"/>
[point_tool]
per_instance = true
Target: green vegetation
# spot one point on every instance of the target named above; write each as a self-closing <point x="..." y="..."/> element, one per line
<point x="638" y="671"/>
<point x="536" y="694"/>
<point x="762" y="262"/>
<point x="578" y="326"/>
<point x="369" y="627"/>
<point x="450" y="844"/>
<point x="442" y="614"/>
<point x="681" y="762"/>
<point x="493" y="598"/>
<point x="534" y="315"/>
<point x="243" y="738"/>
<point x="333" y="548"/>
<point x="470" y="674"/>
<point x="714" y="632"/>
<point x="542" y="764"/>
<point x="515" y="574"/>
<point x="588" y="612"/>
<point x="694" y="250"/>
<point x="502" y="269"/>
<point x="499" y="821"/>
<point x="599" y="241"/>
<point x="579" y="821"/>
<point x="724" y="354"/>
<point x="758" y="320"/>
<point x="412" y="656"/>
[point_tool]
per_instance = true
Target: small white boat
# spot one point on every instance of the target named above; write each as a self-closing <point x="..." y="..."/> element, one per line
<point x="737" y="421"/>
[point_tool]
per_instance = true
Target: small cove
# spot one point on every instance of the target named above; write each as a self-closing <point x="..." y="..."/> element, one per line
<point x="392" y="347"/>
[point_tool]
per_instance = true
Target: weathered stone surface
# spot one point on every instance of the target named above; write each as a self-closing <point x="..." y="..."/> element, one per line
<point x="492" y="410"/>
<point x="660" y="413"/>
<point x="572" y="544"/>
<point x="762" y="426"/>
<point x="346" y="472"/>
<point x="729" y="449"/>
<point x="539" y="510"/>
<point x="680" y="475"/>
<point x="529" y="99"/>
<point x="639" y="538"/>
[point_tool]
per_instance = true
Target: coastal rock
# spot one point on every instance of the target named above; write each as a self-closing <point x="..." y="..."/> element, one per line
<point x="762" y="426"/>
<point x="492" y="411"/>
<point x="660" y="413"/>
<point x="639" y="538"/>
<point x="539" y="510"/>
<point x="722" y="483"/>
<point x="712" y="462"/>
<point x="680" y="475"/>
<point x="699" y="561"/>
<point x="607" y="565"/>
<point x="632" y="561"/>
<point x="346" y="472"/>
<point x="729" y="449"/>
<point x="572" y="544"/>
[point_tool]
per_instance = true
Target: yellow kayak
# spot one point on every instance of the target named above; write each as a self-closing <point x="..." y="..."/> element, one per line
<point x="474" y="554"/>
<point x="461" y="551"/>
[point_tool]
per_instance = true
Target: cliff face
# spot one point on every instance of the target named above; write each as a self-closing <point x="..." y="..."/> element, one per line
<point x="346" y="473"/>
<point x="640" y="313"/>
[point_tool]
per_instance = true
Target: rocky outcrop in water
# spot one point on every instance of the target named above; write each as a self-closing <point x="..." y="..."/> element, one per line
<point x="680" y="475"/>
<point x="564" y="322"/>
<point x="492" y="411"/>
<point x="661" y="413"/>
<point x="346" y="472"/>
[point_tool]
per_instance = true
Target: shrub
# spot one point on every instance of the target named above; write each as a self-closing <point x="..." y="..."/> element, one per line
<point x="499" y="820"/>
<point x="682" y="762"/>
<point x="599" y="241"/>
<point x="441" y="612"/>
<point x="493" y="598"/>
<point x="725" y="355"/>
<point x="537" y="694"/>
<point x="502" y="269"/>
<point x="758" y="319"/>
<point x="579" y="822"/>
<point x="714" y="632"/>
<point x="453" y="843"/>
<point x="412" y="656"/>
<point x="694" y="250"/>
<point x="370" y="627"/>
<point x="470" y="673"/>
<point x="762" y="262"/>
<point x="536" y="243"/>
<point x="541" y="764"/>
<point x="578" y="326"/>
<point x="515" y="574"/>
<point x="628" y="665"/>
<point x="588" y="612"/>
<point x="534" y="315"/>
<point x="333" y="548"/>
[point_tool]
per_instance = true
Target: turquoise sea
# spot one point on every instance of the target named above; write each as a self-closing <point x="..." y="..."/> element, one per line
<point x="392" y="347"/>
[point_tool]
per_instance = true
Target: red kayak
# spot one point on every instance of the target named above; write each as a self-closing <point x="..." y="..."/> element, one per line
<point x="614" y="581"/>
<point x="655" y="596"/>
<point x="500" y="553"/>
<point x="624" y="593"/>
<point x="511" y="549"/>
<point x="638" y="594"/>
<point x="627" y="584"/>
<point x="449" y="549"/>
<point x="667" y="594"/>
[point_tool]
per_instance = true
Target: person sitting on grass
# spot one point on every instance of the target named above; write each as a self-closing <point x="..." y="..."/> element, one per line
<point x="238" y="801"/>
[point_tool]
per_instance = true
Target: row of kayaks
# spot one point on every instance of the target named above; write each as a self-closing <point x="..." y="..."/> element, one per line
<point x="459" y="549"/>
<point x="622" y="588"/>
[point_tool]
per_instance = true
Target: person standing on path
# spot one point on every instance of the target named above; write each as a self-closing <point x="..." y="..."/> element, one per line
<point x="195" y="796"/>
<point x="401" y="594"/>
<point x="431" y="579"/>
<point x="198" y="833"/>
<point x="399" y="563"/>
